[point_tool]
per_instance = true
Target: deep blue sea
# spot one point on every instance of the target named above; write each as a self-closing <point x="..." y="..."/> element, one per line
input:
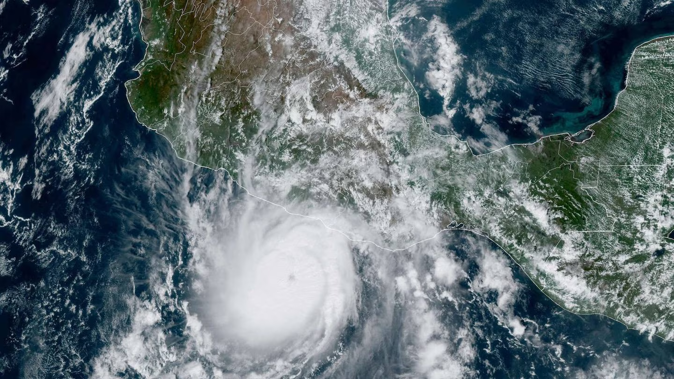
<point x="555" y="64"/>
<point x="91" y="202"/>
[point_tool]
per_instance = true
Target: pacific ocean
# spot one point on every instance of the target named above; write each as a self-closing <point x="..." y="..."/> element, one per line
<point x="92" y="208"/>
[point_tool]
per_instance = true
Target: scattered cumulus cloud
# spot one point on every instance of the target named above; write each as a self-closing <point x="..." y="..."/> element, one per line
<point x="444" y="70"/>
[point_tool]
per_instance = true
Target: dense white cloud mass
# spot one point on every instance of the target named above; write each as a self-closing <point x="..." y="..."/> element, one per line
<point x="445" y="66"/>
<point x="278" y="279"/>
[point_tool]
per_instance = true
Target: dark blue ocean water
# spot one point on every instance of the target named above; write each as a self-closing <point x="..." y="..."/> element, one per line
<point x="92" y="200"/>
<point x="82" y="218"/>
<point x="562" y="62"/>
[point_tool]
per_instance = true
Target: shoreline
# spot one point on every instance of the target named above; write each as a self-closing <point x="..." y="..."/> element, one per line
<point x="425" y="123"/>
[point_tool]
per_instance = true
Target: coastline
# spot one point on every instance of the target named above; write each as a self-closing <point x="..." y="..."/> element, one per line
<point x="568" y="135"/>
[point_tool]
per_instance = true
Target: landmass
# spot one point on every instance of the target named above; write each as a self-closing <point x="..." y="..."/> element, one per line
<point x="305" y="102"/>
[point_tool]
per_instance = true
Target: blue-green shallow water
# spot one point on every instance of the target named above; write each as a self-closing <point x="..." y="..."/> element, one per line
<point x="92" y="200"/>
<point x="561" y="62"/>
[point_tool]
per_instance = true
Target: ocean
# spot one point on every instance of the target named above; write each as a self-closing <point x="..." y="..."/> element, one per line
<point x="543" y="67"/>
<point x="95" y="243"/>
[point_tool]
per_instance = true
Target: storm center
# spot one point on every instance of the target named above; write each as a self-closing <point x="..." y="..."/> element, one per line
<point x="286" y="289"/>
<point x="280" y="282"/>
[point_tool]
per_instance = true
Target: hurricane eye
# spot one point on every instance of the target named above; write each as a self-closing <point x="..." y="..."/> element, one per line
<point x="281" y="281"/>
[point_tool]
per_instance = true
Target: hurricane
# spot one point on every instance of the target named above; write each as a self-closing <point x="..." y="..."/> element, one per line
<point x="287" y="189"/>
<point x="277" y="281"/>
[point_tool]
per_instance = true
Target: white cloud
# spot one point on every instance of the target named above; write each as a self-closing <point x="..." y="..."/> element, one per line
<point x="445" y="68"/>
<point x="494" y="137"/>
<point x="496" y="275"/>
<point x="50" y="100"/>
<point x="532" y="121"/>
<point x="479" y="85"/>
<point x="143" y="349"/>
<point x="433" y="345"/>
<point x="611" y="367"/>
<point x="446" y="271"/>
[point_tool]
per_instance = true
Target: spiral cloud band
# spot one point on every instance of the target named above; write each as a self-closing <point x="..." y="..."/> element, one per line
<point x="281" y="281"/>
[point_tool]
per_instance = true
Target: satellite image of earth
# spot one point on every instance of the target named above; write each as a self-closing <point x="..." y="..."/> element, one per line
<point x="337" y="189"/>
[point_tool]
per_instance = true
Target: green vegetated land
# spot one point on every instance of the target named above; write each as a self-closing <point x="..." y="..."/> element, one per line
<point x="184" y="90"/>
<point x="587" y="221"/>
